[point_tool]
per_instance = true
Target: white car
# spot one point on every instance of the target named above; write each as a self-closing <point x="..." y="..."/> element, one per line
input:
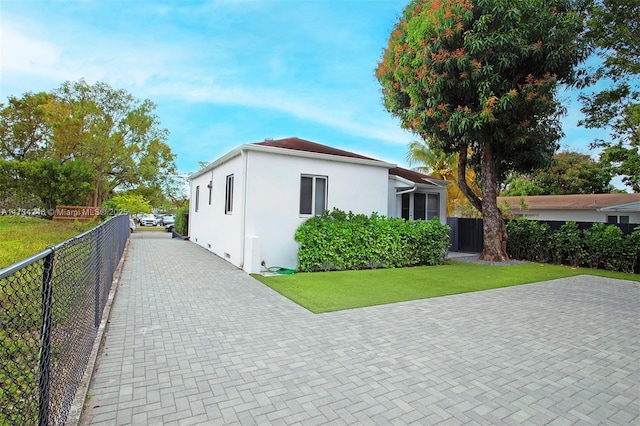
<point x="148" y="220"/>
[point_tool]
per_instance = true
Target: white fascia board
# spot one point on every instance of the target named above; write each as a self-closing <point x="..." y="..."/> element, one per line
<point x="439" y="183"/>
<point x="403" y="180"/>
<point x="215" y="163"/>
<point x="633" y="206"/>
<point x="315" y="155"/>
<point x="292" y="152"/>
<point x="422" y="186"/>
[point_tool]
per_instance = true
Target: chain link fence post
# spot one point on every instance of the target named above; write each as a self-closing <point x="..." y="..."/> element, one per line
<point x="45" y="346"/>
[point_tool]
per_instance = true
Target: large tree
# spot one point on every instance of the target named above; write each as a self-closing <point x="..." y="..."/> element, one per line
<point x="481" y="76"/>
<point x="113" y="134"/>
<point x="24" y="130"/>
<point x="614" y="30"/>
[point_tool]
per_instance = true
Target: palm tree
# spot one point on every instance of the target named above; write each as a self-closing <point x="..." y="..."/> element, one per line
<point x="438" y="164"/>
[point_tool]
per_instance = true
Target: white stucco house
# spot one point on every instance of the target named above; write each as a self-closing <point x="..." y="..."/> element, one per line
<point x="246" y="205"/>
<point x="607" y="208"/>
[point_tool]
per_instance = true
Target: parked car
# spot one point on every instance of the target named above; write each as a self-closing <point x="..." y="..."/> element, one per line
<point x="165" y="218"/>
<point x="148" y="220"/>
<point x="168" y="222"/>
<point x="132" y="225"/>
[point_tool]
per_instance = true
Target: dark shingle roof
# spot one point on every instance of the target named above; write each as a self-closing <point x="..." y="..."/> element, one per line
<point x="412" y="175"/>
<point x="308" y="146"/>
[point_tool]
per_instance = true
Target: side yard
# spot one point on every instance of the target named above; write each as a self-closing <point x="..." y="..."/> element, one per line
<point x="24" y="236"/>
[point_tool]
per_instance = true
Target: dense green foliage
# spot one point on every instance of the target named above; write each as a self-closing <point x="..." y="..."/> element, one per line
<point x="87" y="140"/>
<point x="568" y="173"/>
<point x="181" y="224"/>
<point x="44" y="183"/>
<point x="601" y="246"/>
<point x="481" y="76"/>
<point x="614" y="31"/>
<point x="131" y="203"/>
<point x="342" y="241"/>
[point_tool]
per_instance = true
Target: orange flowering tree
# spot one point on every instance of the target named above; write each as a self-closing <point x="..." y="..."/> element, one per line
<point x="482" y="76"/>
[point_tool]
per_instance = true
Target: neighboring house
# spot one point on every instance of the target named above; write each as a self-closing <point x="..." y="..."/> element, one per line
<point x="246" y="205"/>
<point x="608" y="208"/>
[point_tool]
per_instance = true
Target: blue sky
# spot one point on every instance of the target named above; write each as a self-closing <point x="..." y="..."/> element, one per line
<point x="226" y="72"/>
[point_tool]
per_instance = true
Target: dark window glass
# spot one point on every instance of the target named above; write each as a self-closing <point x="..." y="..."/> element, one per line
<point x="405" y="206"/>
<point x="433" y="206"/>
<point x="419" y="206"/>
<point x="306" y="195"/>
<point x="321" y="196"/>
<point x="228" y="199"/>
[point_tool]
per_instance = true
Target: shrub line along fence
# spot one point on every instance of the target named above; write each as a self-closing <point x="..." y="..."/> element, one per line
<point x="51" y="306"/>
<point x="593" y="244"/>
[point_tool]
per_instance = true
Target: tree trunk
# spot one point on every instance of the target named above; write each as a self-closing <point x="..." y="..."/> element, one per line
<point x="495" y="234"/>
<point x="462" y="179"/>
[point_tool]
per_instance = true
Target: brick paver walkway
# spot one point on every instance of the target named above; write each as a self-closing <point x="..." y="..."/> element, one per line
<point x="193" y="340"/>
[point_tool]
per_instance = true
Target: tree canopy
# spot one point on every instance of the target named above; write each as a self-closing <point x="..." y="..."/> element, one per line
<point x="107" y="138"/>
<point x="481" y="76"/>
<point x="568" y="173"/>
<point x="614" y="31"/>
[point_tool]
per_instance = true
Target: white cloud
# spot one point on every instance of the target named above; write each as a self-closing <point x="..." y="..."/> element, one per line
<point x="24" y="54"/>
<point x="194" y="68"/>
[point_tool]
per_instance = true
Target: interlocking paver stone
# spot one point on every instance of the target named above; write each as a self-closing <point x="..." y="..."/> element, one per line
<point x="194" y="340"/>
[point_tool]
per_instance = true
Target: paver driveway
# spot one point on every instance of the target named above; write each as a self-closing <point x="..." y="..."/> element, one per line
<point x="193" y="340"/>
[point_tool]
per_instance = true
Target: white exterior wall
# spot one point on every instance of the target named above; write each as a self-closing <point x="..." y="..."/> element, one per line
<point x="210" y="227"/>
<point x="273" y="199"/>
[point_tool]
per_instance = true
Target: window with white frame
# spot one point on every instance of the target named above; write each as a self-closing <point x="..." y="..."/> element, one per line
<point x="228" y="198"/>
<point x="417" y="205"/>
<point x="313" y="195"/>
<point x="197" y="198"/>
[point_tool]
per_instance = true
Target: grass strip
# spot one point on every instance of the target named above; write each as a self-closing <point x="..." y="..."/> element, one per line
<point x="333" y="291"/>
<point x="24" y="236"/>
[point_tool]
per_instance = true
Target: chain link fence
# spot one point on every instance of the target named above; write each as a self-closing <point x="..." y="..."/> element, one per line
<point x="50" y="309"/>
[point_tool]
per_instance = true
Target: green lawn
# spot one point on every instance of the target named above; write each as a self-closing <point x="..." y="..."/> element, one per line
<point x="21" y="237"/>
<point x="334" y="291"/>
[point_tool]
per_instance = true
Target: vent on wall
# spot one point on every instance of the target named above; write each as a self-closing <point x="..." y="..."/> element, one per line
<point x="208" y="245"/>
<point x="227" y="255"/>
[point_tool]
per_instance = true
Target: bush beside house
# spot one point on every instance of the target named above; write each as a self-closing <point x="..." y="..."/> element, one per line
<point x="181" y="225"/>
<point x="602" y="246"/>
<point x="342" y="241"/>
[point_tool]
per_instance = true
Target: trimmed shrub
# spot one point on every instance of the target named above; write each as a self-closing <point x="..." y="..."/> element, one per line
<point x="631" y="252"/>
<point x="601" y="246"/>
<point x="529" y="239"/>
<point x="181" y="225"/>
<point x="345" y="241"/>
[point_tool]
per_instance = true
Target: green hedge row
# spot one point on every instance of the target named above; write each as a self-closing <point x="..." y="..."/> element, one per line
<point x="341" y="241"/>
<point x="602" y="246"/>
<point x="181" y="225"/>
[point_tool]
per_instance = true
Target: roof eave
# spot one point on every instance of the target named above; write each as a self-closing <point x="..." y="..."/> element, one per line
<point x="319" y="156"/>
